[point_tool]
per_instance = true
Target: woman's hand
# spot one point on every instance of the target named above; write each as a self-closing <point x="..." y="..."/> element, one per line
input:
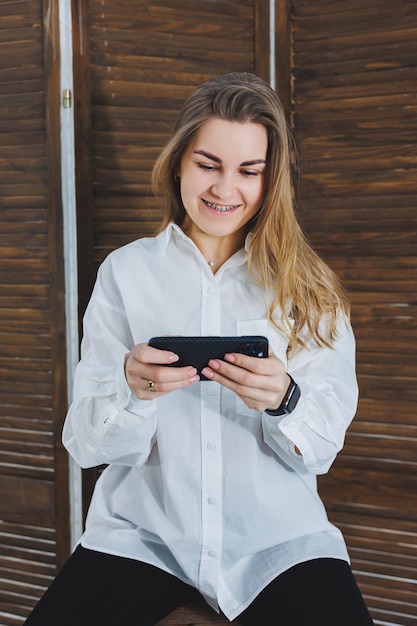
<point x="260" y="383"/>
<point x="148" y="376"/>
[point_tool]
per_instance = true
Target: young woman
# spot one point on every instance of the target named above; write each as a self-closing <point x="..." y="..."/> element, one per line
<point x="210" y="485"/>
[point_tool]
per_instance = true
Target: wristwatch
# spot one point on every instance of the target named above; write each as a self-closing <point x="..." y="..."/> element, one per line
<point x="289" y="401"/>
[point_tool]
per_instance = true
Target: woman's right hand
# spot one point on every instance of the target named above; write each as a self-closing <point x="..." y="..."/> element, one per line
<point x="148" y="375"/>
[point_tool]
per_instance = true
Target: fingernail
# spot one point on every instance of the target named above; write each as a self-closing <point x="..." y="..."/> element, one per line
<point x="207" y="372"/>
<point x="192" y="371"/>
<point x="173" y="357"/>
<point x="230" y="357"/>
<point x="214" y="364"/>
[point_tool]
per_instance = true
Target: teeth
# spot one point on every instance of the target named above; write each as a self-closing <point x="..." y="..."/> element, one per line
<point x="222" y="208"/>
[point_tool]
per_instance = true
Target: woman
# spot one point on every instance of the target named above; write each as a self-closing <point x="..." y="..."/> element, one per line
<point x="211" y="485"/>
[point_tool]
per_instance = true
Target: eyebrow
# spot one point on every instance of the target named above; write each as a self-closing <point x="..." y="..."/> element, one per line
<point x="216" y="159"/>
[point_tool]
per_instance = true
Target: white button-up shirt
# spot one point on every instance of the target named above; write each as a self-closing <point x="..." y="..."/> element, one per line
<point x="197" y="483"/>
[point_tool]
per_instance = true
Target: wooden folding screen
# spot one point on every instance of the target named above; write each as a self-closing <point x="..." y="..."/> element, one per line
<point x="352" y="103"/>
<point x="354" y="113"/>
<point x="33" y="469"/>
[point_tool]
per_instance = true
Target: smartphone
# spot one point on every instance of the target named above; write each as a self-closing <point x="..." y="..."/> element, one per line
<point x="197" y="351"/>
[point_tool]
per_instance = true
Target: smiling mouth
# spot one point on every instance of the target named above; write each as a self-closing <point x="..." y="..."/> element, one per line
<point x="221" y="208"/>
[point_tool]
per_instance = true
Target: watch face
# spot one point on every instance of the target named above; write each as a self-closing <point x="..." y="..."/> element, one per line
<point x="293" y="396"/>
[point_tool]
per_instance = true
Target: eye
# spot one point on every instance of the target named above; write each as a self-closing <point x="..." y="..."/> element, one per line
<point x="250" y="173"/>
<point x="207" y="167"/>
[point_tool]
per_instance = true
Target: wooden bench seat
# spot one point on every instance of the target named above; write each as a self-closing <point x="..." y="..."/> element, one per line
<point x="196" y="614"/>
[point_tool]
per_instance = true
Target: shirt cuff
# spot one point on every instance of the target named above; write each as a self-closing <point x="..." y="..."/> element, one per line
<point x="286" y="430"/>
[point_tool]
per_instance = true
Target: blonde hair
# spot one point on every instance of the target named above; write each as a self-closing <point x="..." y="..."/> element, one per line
<point x="280" y="259"/>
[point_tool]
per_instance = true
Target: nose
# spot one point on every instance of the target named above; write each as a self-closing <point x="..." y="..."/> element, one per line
<point x="224" y="186"/>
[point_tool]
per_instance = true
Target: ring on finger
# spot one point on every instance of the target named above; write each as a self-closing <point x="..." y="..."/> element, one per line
<point x="151" y="386"/>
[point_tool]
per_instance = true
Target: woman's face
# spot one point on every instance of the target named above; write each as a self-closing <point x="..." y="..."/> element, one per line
<point x="222" y="180"/>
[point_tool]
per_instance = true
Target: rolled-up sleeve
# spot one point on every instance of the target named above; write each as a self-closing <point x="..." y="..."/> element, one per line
<point x="328" y="402"/>
<point x="106" y="423"/>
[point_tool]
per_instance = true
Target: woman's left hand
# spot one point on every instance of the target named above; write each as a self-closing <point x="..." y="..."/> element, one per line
<point x="260" y="383"/>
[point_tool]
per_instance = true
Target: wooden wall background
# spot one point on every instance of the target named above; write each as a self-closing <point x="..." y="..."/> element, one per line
<point x="347" y="75"/>
<point x="354" y="113"/>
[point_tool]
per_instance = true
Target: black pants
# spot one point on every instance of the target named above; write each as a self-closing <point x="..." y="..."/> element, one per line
<point x="95" y="589"/>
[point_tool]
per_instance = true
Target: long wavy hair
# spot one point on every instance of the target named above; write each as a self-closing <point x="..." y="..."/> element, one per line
<point x="280" y="258"/>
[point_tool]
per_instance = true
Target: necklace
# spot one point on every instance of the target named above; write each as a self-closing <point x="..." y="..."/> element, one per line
<point x="213" y="263"/>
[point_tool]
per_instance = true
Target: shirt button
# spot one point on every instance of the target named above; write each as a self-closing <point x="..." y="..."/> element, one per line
<point x="211" y="500"/>
<point x="211" y="445"/>
<point x="210" y="290"/>
<point x="210" y="391"/>
<point x="211" y="554"/>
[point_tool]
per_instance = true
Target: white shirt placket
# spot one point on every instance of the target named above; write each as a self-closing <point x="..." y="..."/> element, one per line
<point x="211" y="460"/>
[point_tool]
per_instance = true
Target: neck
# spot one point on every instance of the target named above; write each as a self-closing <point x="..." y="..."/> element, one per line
<point x="215" y="249"/>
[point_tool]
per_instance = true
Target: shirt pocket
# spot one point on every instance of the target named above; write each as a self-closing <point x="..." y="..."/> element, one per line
<point x="278" y="343"/>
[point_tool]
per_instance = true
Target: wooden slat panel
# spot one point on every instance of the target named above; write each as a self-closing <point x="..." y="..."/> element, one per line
<point x="145" y="60"/>
<point x="355" y="118"/>
<point x="27" y="566"/>
<point x="384" y="558"/>
<point x="30" y="308"/>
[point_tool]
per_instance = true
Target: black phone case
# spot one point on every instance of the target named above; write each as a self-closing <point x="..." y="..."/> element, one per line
<point x="197" y="351"/>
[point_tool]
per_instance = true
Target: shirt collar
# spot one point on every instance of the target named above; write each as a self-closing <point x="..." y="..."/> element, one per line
<point x="248" y="241"/>
<point x="167" y="234"/>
